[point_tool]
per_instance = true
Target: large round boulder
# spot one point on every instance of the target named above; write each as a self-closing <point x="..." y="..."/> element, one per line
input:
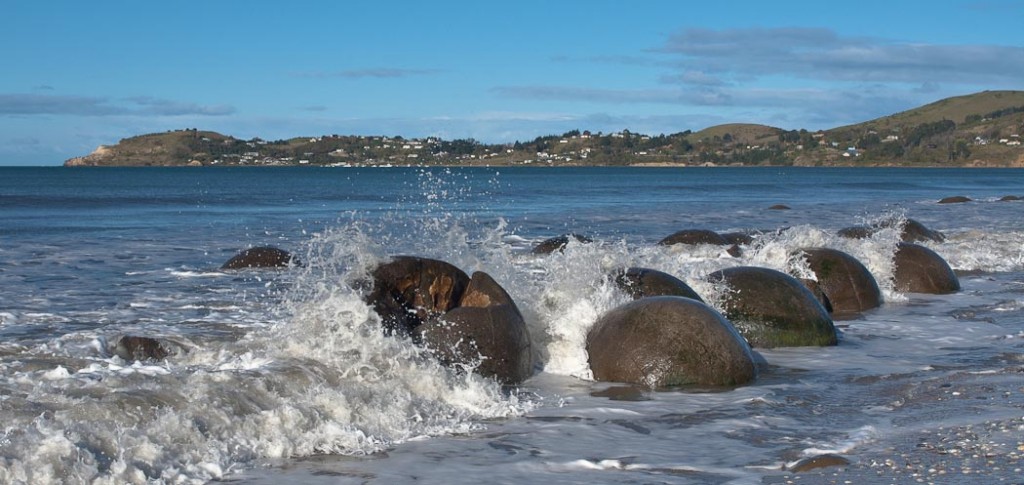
<point x="409" y="291"/>
<point x="644" y="282"/>
<point x="485" y="329"/>
<point x="260" y="257"/>
<point x="558" y="243"/>
<point x="668" y="341"/>
<point x="773" y="309"/>
<point x="846" y="282"/>
<point x="921" y="270"/>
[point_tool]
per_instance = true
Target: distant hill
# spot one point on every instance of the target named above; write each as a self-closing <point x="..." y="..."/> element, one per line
<point x="981" y="129"/>
<point x="746" y="133"/>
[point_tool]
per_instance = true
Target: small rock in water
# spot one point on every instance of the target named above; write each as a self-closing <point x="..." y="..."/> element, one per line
<point x="260" y="257"/>
<point x="558" y="243"/>
<point x="821" y="461"/>
<point x="131" y="347"/>
<point x="955" y="200"/>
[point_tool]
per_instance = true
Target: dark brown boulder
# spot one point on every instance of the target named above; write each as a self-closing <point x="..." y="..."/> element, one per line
<point x="130" y="347"/>
<point x="694" y="236"/>
<point x="699" y="236"/>
<point x="485" y="329"/>
<point x="558" y="243"/>
<point x="1009" y="198"/>
<point x="643" y="282"/>
<point x="409" y="291"/>
<point x="914" y="231"/>
<point x="260" y="257"/>
<point x="779" y="207"/>
<point x="846" y="282"/>
<point x="955" y="200"/>
<point x="773" y="309"/>
<point x="911" y="231"/>
<point x="668" y="341"/>
<point x="921" y="270"/>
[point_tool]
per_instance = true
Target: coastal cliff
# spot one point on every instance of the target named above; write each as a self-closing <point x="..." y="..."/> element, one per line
<point x="976" y="130"/>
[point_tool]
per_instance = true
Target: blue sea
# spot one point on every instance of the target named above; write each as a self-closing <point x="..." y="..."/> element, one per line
<point x="284" y="376"/>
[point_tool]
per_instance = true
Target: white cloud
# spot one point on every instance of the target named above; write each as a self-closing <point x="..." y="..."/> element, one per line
<point x="144" y="106"/>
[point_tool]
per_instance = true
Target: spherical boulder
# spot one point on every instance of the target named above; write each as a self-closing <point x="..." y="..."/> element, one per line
<point x="643" y="282"/>
<point x="773" y="309"/>
<point x="260" y="257"/>
<point x="921" y="270"/>
<point x="846" y="282"/>
<point x="486" y="329"/>
<point x="668" y="341"/>
<point x="558" y="243"/>
<point x="409" y="290"/>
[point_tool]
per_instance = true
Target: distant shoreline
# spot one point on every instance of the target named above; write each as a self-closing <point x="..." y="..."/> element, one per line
<point x="982" y="129"/>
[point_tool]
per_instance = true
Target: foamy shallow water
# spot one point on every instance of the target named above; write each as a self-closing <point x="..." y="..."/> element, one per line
<point x="283" y="376"/>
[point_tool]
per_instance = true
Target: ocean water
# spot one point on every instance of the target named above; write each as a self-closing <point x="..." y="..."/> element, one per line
<point x="283" y="376"/>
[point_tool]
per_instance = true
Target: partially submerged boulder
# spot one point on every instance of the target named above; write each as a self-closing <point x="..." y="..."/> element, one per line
<point x="773" y="309"/>
<point x="409" y="291"/>
<point x="462" y="320"/>
<point x="131" y="348"/>
<point x="826" y="460"/>
<point x="260" y="257"/>
<point x="956" y="199"/>
<point x="645" y="282"/>
<point x="846" y="282"/>
<point x="558" y="243"/>
<point x="668" y="341"/>
<point x="485" y="329"/>
<point x="692" y="237"/>
<point x="921" y="270"/>
<point x="910" y="231"/>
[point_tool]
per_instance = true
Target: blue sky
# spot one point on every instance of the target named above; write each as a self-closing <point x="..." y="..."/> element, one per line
<point x="80" y="74"/>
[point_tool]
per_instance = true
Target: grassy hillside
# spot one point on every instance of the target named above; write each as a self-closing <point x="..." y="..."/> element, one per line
<point x="743" y="133"/>
<point x="955" y="109"/>
<point x="976" y="129"/>
<point x="981" y="129"/>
